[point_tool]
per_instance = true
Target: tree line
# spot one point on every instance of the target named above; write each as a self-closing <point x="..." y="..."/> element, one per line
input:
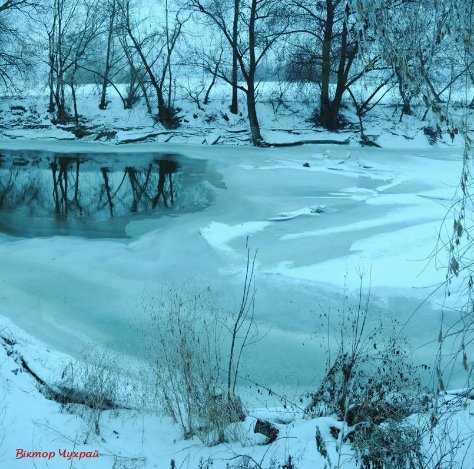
<point x="421" y="48"/>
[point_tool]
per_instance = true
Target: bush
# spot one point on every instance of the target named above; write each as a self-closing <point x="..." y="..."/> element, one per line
<point x="89" y="385"/>
<point x="169" y="117"/>
<point x="188" y="366"/>
<point x="371" y="378"/>
<point x="197" y="359"/>
<point x="391" y="445"/>
<point x="373" y="386"/>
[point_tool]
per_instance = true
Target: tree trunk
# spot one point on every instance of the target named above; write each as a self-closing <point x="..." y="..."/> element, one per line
<point x="164" y="114"/>
<point x="52" y="58"/>
<point x="234" y="107"/>
<point x="214" y="78"/>
<point x="61" y="113"/>
<point x="105" y="81"/>
<point x="406" y="109"/>
<point x="208" y="92"/>
<point x="51" y="68"/>
<point x="74" y="102"/>
<point x="257" y="139"/>
<point x="330" y="109"/>
<point x="326" y="116"/>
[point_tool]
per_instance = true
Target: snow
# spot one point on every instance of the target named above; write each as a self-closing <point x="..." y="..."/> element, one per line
<point x="218" y="235"/>
<point x="43" y="134"/>
<point x="33" y="423"/>
<point x="210" y="125"/>
<point x="387" y="257"/>
<point x="323" y="220"/>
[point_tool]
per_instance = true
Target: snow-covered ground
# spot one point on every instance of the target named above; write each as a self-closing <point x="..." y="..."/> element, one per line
<point x="39" y="433"/>
<point x="321" y="218"/>
<point x="285" y="113"/>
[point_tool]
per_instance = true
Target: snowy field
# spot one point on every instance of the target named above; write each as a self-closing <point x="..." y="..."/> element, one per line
<point x="322" y="219"/>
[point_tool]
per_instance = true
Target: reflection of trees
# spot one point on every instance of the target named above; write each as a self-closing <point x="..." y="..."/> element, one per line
<point x="147" y="187"/>
<point x="60" y="168"/>
<point x="18" y="189"/>
<point x="167" y="168"/>
<point x="138" y="188"/>
<point x="106" y="187"/>
<point x="7" y="183"/>
<point x="134" y="190"/>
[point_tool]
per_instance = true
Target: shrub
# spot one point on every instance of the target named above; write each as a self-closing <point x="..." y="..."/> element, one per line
<point x="197" y="359"/>
<point x="371" y="378"/>
<point x="372" y="385"/>
<point x="188" y="366"/>
<point x="390" y="445"/>
<point x="89" y="385"/>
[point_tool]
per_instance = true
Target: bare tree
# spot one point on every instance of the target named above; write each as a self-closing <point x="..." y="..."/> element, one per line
<point x="136" y="77"/>
<point x="326" y="37"/>
<point x="154" y="51"/>
<point x="261" y="24"/>
<point x="74" y="26"/>
<point x="418" y="41"/>
<point x="450" y="29"/>
<point x="14" y="63"/>
<point x="208" y="56"/>
<point x="234" y="107"/>
<point x="112" y="11"/>
<point x="110" y="65"/>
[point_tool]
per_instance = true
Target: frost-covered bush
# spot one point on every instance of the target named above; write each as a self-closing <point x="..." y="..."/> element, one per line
<point x="89" y="385"/>
<point x="189" y="366"/>
<point x="372" y="385"/>
<point x="197" y="358"/>
<point x="390" y="445"/>
<point x="370" y="378"/>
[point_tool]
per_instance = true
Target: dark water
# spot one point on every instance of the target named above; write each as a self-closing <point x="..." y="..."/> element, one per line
<point x="47" y="194"/>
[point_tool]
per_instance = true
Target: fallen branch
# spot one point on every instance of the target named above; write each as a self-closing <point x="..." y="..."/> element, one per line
<point x="309" y="142"/>
<point x="143" y="138"/>
<point x="62" y="395"/>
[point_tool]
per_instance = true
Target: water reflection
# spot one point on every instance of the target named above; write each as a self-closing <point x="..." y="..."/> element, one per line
<point x="78" y="194"/>
<point x="62" y="201"/>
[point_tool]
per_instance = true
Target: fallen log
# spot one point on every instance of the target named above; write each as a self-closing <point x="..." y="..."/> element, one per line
<point x="309" y="142"/>
<point x="267" y="429"/>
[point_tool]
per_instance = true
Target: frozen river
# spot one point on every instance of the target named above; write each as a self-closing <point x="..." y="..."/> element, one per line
<point x="320" y="217"/>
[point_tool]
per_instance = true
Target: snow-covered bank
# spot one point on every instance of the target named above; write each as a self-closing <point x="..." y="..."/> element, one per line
<point x="25" y="117"/>
<point x="41" y="433"/>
